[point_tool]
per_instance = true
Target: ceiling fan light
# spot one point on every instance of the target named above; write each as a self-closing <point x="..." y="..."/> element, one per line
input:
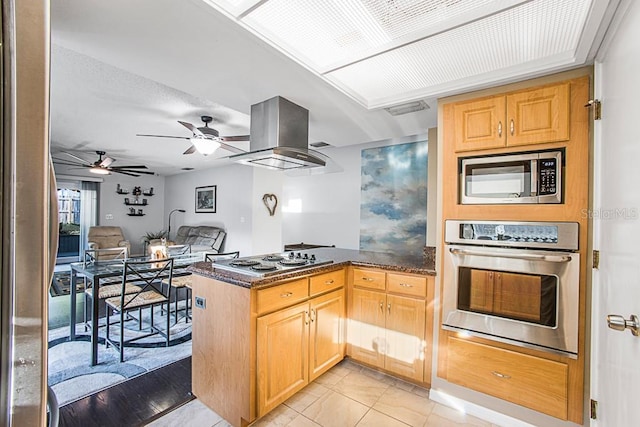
<point x="99" y="171"/>
<point x="205" y="146"/>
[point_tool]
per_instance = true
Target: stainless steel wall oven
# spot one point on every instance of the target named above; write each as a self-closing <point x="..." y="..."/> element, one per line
<point x="516" y="282"/>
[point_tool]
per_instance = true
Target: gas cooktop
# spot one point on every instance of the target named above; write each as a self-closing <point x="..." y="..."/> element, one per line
<point x="271" y="264"/>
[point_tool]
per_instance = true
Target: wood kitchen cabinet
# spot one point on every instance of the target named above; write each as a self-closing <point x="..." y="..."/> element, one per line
<point x="296" y="345"/>
<point x="386" y="330"/>
<point x="272" y="342"/>
<point x="532" y="116"/>
<point x="530" y="381"/>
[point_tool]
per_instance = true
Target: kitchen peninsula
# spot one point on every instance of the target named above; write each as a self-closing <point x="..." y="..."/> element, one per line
<point x="257" y="340"/>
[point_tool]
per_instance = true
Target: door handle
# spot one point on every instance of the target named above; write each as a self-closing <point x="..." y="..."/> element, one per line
<point x="619" y="323"/>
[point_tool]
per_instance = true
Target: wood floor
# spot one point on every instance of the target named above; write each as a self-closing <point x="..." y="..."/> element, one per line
<point x="135" y="402"/>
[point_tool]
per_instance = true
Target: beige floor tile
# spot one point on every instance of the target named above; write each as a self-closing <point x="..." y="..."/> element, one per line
<point x="302" y="421"/>
<point x="281" y="416"/>
<point x="404" y="406"/>
<point x="328" y="379"/>
<point x="360" y="387"/>
<point x="420" y="391"/>
<point x="445" y="416"/>
<point x="221" y="423"/>
<point x="305" y="397"/>
<point x="374" y="418"/>
<point x="335" y="410"/>
<point x="192" y="414"/>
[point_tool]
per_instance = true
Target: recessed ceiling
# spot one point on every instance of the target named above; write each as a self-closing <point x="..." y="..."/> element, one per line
<point x="386" y="52"/>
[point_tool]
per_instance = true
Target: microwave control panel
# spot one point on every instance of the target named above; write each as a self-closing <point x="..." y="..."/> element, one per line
<point x="547" y="173"/>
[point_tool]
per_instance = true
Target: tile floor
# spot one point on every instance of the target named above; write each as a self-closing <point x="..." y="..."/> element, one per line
<point x="348" y="395"/>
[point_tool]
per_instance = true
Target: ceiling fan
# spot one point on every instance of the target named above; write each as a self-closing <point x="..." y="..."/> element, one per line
<point x="205" y="140"/>
<point x="102" y="166"/>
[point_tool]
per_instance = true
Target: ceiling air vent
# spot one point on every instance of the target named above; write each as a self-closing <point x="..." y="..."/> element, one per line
<point x="409" y="107"/>
<point x="319" y="144"/>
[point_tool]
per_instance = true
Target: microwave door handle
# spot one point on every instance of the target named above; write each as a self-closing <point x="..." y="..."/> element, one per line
<point x="526" y="257"/>
<point x="534" y="177"/>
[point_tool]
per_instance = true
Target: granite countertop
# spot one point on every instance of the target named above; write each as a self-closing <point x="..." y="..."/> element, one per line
<point x="404" y="263"/>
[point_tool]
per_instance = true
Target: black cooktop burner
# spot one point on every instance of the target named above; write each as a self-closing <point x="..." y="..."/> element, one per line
<point x="273" y="258"/>
<point x="263" y="267"/>
<point x="298" y="261"/>
<point x="244" y="263"/>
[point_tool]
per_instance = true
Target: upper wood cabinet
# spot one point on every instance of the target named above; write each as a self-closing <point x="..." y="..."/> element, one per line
<point x="534" y="116"/>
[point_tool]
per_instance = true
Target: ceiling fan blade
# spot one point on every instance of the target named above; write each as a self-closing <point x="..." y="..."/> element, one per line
<point x="83" y="161"/>
<point x="190" y="150"/>
<point x="231" y="148"/>
<point x="130" y="167"/>
<point x="106" y="162"/>
<point x="132" y="171"/>
<point x="125" y="173"/>
<point x="65" y="162"/>
<point x="192" y="128"/>
<point x="163" y="136"/>
<point x="235" y="138"/>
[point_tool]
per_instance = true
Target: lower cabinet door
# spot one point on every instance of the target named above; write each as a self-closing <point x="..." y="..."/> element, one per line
<point x="405" y="336"/>
<point x="366" y="334"/>
<point x="327" y="332"/>
<point x="282" y="355"/>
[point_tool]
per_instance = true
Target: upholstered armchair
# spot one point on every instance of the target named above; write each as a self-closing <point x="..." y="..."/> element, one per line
<point x="101" y="237"/>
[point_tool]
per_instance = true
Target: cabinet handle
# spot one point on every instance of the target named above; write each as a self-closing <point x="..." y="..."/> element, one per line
<point x="313" y="314"/>
<point x="512" y="127"/>
<point x="367" y="279"/>
<point x="381" y="306"/>
<point x="389" y="308"/>
<point x="286" y="295"/>
<point x="500" y="375"/>
<point x="306" y="317"/>
<point x="500" y="129"/>
<point x="406" y="285"/>
<point x="329" y="282"/>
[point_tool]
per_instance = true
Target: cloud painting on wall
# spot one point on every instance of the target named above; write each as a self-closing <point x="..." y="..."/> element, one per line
<point x="393" y="203"/>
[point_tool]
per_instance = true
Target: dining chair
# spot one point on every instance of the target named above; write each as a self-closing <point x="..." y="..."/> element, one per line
<point x="213" y="256"/>
<point x="108" y="287"/>
<point x="147" y="275"/>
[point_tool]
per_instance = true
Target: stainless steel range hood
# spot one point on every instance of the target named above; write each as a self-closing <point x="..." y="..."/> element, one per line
<point x="280" y="137"/>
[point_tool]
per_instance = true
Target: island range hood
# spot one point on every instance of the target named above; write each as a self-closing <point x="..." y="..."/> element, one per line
<point x="280" y="137"/>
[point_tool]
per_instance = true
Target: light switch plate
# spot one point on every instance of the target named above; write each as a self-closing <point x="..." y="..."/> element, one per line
<point x="201" y="302"/>
<point x="109" y="216"/>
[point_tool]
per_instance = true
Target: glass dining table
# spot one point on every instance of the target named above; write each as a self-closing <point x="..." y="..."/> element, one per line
<point x="102" y="272"/>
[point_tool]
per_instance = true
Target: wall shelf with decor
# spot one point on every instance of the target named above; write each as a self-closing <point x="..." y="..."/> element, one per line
<point x="135" y="201"/>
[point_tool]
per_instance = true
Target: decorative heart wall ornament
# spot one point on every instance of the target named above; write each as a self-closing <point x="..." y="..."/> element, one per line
<point x="271" y="202"/>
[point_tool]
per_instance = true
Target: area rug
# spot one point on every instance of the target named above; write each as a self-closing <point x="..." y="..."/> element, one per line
<point x="72" y="378"/>
<point x="60" y="285"/>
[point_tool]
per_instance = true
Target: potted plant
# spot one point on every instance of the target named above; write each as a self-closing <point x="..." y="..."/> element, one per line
<point x="153" y="235"/>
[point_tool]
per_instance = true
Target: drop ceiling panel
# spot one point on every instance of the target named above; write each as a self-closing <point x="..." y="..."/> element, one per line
<point x="385" y="52"/>
<point x="518" y="36"/>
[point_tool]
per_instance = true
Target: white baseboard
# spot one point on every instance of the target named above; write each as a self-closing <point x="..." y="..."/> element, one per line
<point x="476" y="410"/>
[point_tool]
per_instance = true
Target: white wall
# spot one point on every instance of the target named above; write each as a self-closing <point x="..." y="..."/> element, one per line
<point x="234" y="206"/>
<point x="133" y="227"/>
<point x="266" y="230"/>
<point x="325" y="208"/>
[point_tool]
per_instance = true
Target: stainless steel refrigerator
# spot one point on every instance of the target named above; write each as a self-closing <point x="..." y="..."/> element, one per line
<point x="28" y="214"/>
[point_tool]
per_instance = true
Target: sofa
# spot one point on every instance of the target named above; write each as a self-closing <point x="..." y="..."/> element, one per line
<point x="201" y="238"/>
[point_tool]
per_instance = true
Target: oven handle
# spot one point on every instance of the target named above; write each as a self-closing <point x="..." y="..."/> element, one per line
<point x="526" y="257"/>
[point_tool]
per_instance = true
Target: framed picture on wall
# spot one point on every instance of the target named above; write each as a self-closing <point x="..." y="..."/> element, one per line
<point x="206" y="199"/>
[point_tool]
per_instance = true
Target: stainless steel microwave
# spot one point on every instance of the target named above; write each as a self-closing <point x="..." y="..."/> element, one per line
<point x="520" y="178"/>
